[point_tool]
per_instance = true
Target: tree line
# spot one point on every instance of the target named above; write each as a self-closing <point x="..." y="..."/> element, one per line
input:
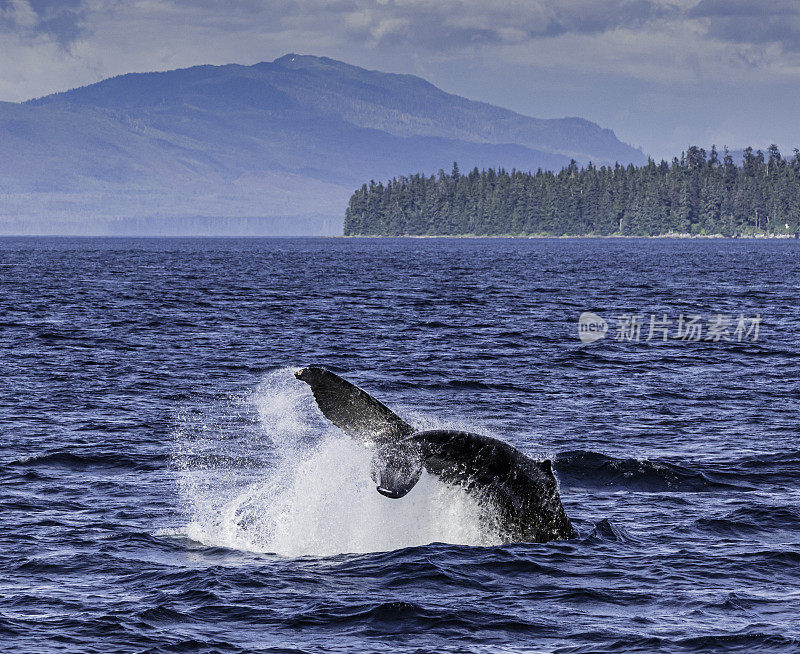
<point x="699" y="193"/>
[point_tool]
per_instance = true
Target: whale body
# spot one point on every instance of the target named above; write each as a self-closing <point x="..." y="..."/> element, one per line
<point x="522" y="492"/>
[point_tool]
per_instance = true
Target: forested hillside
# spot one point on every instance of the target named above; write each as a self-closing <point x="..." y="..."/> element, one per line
<point x="699" y="193"/>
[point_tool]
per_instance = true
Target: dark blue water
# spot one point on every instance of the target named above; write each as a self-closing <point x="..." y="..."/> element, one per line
<point x="168" y="486"/>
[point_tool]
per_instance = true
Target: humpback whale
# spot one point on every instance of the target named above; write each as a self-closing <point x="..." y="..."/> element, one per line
<point x="523" y="492"/>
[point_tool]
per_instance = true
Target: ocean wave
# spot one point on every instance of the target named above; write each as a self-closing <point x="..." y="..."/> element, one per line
<point x="751" y="519"/>
<point x="607" y="532"/>
<point x="77" y="462"/>
<point x="585" y="469"/>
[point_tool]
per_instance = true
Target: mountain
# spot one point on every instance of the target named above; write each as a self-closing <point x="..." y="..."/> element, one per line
<point x="274" y="148"/>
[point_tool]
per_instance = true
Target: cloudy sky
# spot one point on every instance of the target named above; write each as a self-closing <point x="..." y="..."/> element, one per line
<point x="661" y="73"/>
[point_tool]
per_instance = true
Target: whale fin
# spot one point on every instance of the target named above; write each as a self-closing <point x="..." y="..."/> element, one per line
<point x="352" y="410"/>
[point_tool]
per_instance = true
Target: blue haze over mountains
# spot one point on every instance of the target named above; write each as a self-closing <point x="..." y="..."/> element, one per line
<point x="270" y="149"/>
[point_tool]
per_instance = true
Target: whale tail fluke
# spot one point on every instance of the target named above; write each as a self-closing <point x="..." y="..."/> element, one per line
<point x="352" y="410"/>
<point x="524" y="492"/>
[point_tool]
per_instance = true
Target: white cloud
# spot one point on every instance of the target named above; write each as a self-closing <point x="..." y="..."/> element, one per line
<point x="19" y="13"/>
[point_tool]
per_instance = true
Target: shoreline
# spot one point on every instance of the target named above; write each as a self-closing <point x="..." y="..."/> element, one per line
<point x="745" y="237"/>
<point x="673" y="235"/>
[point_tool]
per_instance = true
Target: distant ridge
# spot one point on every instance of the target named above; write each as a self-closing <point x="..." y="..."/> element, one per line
<point x="273" y="148"/>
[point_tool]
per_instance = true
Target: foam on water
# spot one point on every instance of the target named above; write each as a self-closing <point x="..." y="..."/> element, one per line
<point x="286" y="481"/>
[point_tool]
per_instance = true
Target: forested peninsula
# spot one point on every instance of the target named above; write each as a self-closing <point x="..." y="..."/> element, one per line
<point x="700" y="193"/>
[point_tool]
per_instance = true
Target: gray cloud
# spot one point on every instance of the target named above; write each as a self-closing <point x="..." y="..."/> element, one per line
<point x="436" y="25"/>
<point x="423" y="23"/>
<point x="57" y="19"/>
<point x="448" y="26"/>
<point x="734" y="8"/>
<point x="17" y="14"/>
<point x="739" y="21"/>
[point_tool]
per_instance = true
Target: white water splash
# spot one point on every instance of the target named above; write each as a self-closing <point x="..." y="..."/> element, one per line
<point x="307" y="489"/>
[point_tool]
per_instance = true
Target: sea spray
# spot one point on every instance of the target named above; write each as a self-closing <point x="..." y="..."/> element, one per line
<point x="281" y="479"/>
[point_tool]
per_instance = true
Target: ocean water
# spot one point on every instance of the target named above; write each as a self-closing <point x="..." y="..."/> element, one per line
<point x="168" y="486"/>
